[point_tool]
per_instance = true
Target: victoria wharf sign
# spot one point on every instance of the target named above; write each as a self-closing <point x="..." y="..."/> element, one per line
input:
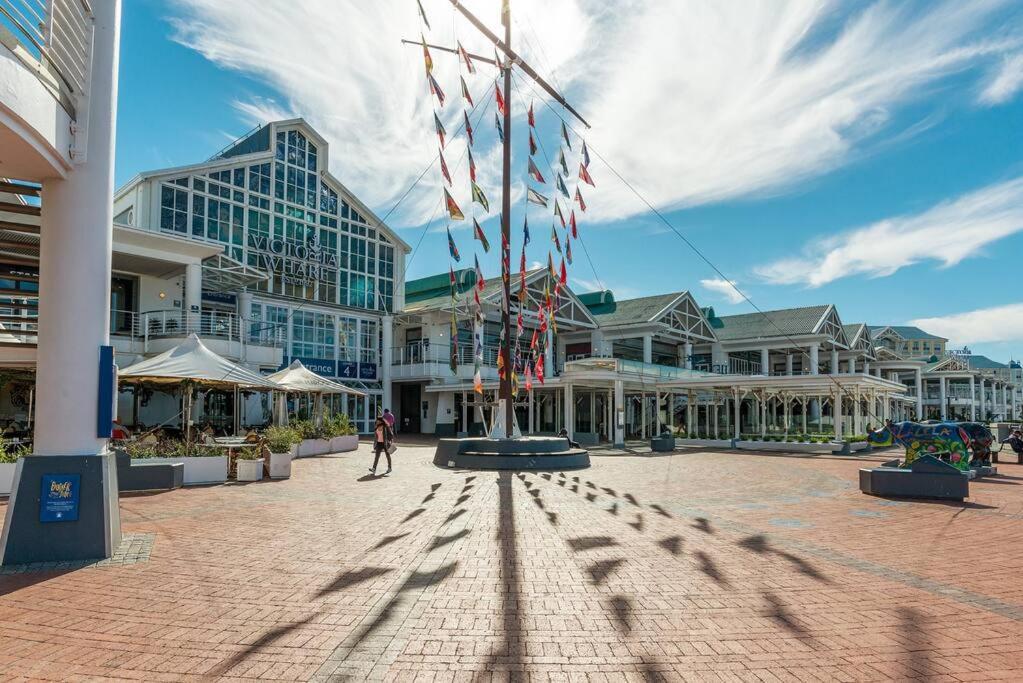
<point x="293" y="262"/>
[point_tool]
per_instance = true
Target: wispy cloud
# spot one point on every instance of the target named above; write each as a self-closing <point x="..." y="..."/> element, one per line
<point x="726" y="289"/>
<point x="693" y="102"/>
<point x="947" y="233"/>
<point x="996" y="324"/>
<point x="1007" y="82"/>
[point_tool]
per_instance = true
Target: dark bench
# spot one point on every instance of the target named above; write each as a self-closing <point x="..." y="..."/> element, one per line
<point x="662" y="444"/>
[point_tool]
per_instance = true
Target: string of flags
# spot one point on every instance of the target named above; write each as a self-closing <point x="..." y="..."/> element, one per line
<point x="546" y="187"/>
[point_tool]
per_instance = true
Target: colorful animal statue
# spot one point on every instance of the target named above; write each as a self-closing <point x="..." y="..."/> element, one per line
<point x="946" y="441"/>
<point x="981" y="439"/>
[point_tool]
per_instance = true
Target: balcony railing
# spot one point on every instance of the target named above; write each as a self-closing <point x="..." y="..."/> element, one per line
<point x="207" y="324"/>
<point x="53" y="38"/>
<point x="422" y="352"/>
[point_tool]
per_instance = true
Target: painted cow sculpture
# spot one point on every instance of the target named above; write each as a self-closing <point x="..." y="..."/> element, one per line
<point x="946" y="441"/>
<point x="981" y="439"/>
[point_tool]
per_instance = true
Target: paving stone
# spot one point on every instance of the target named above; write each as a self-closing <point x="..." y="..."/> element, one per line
<point x="690" y="566"/>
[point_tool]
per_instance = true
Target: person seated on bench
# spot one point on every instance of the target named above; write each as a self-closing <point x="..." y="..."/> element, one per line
<point x="1015" y="442"/>
<point x="564" y="435"/>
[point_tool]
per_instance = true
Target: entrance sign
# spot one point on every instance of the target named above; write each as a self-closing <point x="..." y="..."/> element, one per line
<point x="58" y="500"/>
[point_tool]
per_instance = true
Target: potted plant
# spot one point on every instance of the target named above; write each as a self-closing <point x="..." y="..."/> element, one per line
<point x="341" y="432"/>
<point x="280" y="441"/>
<point x="202" y="464"/>
<point x="250" y="464"/>
<point x="8" y="466"/>
<point x="313" y="442"/>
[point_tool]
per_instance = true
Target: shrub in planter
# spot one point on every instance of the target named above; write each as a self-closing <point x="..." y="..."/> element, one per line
<point x="280" y="441"/>
<point x="250" y="464"/>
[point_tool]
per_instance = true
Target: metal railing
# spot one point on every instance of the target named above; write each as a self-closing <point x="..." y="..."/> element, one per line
<point x="54" y="39"/>
<point x="423" y="352"/>
<point x="207" y="324"/>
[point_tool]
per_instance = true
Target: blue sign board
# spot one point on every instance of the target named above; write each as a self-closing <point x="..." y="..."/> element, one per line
<point x="367" y="371"/>
<point x="321" y="366"/>
<point x="58" y="500"/>
<point x="348" y="369"/>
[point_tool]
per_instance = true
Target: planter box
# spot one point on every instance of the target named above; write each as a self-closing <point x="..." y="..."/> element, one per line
<point x="704" y="443"/>
<point x="313" y="447"/>
<point x="280" y="465"/>
<point x="205" y="470"/>
<point x="7" y="477"/>
<point x="343" y="444"/>
<point x="786" y="447"/>
<point x="250" y="470"/>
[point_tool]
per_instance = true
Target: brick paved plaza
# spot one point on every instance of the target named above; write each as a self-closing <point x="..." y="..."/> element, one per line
<point x="696" y="566"/>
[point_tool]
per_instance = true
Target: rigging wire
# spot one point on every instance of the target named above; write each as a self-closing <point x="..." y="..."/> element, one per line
<point x="697" y="251"/>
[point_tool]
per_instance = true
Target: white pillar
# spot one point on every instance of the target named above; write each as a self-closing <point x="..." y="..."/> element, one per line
<point x="852" y="366"/>
<point x="687" y="349"/>
<point x="1005" y="403"/>
<point x="857" y="413"/>
<point x="714" y="417"/>
<point x="983" y="410"/>
<point x="973" y="401"/>
<point x="642" y="415"/>
<point x="836" y="411"/>
<point x="788" y="363"/>
<point x="834" y="361"/>
<point x="619" y="413"/>
<point x="765" y="362"/>
<point x="941" y="397"/>
<point x="548" y="357"/>
<point x="529" y="428"/>
<point x="918" y="377"/>
<point x="814" y="358"/>
<point x="74" y="267"/>
<point x="648" y="348"/>
<point x="866" y="367"/>
<point x="387" y="342"/>
<point x="569" y="410"/>
<point x="193" y="294"/>
<point x="737" y="407"/>
<point x="657" y="413"/>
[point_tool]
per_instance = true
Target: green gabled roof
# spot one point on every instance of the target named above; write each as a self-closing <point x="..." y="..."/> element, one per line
<point x="438" y="285"/>
<point x="782" y="323"/>
<point x="984" y="363"/>
<point x="906" y="331"/>
<point x="853" y="329"/>
<point x="604" y="300"/>
<point x="632" y="311"/>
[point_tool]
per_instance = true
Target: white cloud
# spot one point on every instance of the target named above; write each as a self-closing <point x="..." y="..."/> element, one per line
<point x="947" y="233"/>
<point x="1007" y="81"/>
<point x="997" y="324"/>
<point x="693" y="102"/>
<point x="725" y="288"/>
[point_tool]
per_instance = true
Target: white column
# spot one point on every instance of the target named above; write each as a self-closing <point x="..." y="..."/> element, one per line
<point x="983" y="410"/>
<point x="387" y="343"/>
<point x="1012" y="415"/>
<point x="529" y="428"/>
<point x="690" y="413"/>
<point x="569" y="410"/>
<point x="648" y="348"/>
<point x="74" y="268"/>
<point x="852" y="366"/>
<point x="642" y="415"/>
<point x="714" y="417"/>
<point x="687" y="349"/>
<point x="973" y="401"/>
<point x="548" y="357"/>
<point x="737" y="407"/>
<point x="788" y="363"/>
<point x="763" y="416"/>
<point x="657" y="413"/>
<point x="866" y="367"/>
<point x="834" y="361"/>
<point x="765" y="362"/>
<point x="193" y="294"/>
<point x="1005" y="403"/>
<point x="857" y="413"/>
<point x="619" y="413"/>
<point x="836" y="410"/>
<point x="919" y="394"/>
<point x="941" y="397"/>
<point x="814" y="358"/>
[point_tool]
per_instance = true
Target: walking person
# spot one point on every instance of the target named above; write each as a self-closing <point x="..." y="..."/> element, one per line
<point x="389" y="418"/>
<point x="382" y="438"/>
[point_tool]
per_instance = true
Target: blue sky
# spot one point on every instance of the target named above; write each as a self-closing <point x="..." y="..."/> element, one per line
<point x="868" y="156"/>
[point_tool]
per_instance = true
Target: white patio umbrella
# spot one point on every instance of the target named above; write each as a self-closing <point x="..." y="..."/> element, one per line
<point x="191" y="362"/>
<point x="300" y="379"/>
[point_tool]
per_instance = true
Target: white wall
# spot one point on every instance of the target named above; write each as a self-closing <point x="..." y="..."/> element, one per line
<point x="428" y="424"/>
<point x="445" y="413"/>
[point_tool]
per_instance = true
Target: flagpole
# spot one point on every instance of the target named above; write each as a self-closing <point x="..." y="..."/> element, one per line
<point x="505" y="350"/>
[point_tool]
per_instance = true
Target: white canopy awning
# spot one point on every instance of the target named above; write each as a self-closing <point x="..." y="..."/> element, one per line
<point x="191" y="360"/>
<point x="297" y="377"/>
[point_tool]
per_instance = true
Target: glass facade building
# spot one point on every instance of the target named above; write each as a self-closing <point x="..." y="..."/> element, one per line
<point x="334" y="270"/>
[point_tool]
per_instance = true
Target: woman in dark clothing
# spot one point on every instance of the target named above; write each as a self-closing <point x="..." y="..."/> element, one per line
<point x="382" y="438"/>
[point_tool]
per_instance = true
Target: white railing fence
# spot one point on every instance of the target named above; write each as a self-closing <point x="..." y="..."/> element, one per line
<point x="54" y="39"/>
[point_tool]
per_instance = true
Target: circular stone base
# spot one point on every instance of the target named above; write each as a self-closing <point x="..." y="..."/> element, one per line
<point x="524" y="453"/>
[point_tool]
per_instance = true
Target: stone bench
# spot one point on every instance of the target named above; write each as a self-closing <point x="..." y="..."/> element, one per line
<point x="662" y="444"/>
<point x="148" y="477"/>
<point x="927" y="477"/>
